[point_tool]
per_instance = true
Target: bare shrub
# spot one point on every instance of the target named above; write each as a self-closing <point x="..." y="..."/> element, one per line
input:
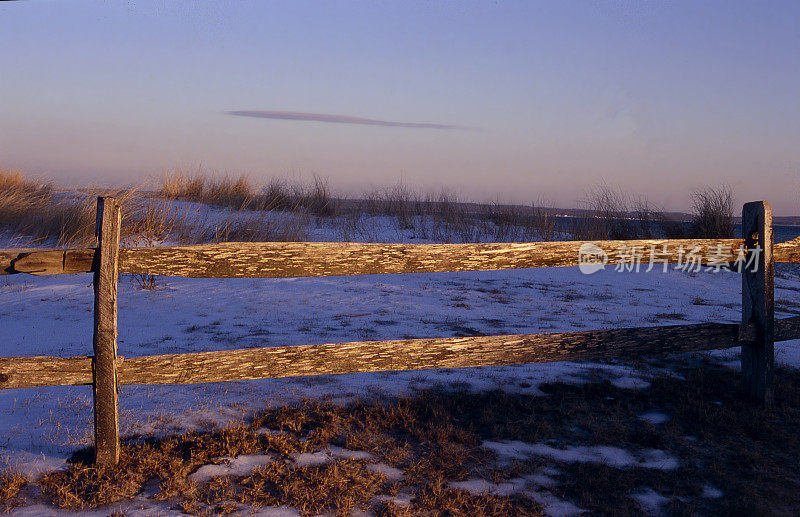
<point x="543" y="224"/>
<point x="148" y="222"/>
<point x="608" y="214"/>
<point x="398" y="201"/>
<point x="450" y="220"/>
<point x="713" y="213"/>
<point x="643" y="214"/>
<point x="609" y="208"/>
<point x="522" y="223"/>
<point x="511" y="222"/>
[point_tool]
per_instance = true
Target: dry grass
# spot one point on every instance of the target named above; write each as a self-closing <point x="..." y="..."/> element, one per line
<point x="11" y="485"/>
<point x="240" y="194"/>
<point x="608" y="213"/>
<point x="32" y="209"/>
<point x="435" y="438"/>
<point x="417" y="435"/>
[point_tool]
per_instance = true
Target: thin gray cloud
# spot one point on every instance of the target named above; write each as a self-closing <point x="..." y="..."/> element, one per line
<point x="337" y="119"/>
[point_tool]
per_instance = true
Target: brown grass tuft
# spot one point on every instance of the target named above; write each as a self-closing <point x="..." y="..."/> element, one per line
<point x="239" y="193"/>
<point x="11" y="485"/>
<point x="30" y="208"/>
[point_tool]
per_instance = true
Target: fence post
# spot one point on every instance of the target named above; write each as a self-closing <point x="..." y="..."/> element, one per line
<point x="758" y="291"/>
<point x="106" y="406"/>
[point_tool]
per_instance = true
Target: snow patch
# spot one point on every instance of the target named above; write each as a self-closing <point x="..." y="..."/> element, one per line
<point x="608" y="455"/>
<point x="309" y="459"/>
<point x="655" y="417"/>
<point x="787" y="353"/>
<point x="401" y="499"/>
<point x="387" y="471"/>
<point x="630" y="383"/>
<point x="542" y="478"/>
<point x="552" y="505"/>
<point x="711" y="492"/>
<point x="33" y="465"/>
<point x="276" y="511"/>
<point x="238" y="466"/>
<point x="478" y="486"/>
<point x="650" y="501"/>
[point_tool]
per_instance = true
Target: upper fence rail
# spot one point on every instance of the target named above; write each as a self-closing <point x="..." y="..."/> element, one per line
<point x="309" y="259"/>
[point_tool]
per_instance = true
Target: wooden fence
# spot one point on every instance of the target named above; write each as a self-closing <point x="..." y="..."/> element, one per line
<point x="753" y="256"/>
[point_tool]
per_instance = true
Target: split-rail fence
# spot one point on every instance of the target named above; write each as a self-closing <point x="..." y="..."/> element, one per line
<point x="753" y="256"/>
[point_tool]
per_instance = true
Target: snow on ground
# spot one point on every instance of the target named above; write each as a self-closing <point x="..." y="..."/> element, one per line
<point x="227" y="466"/>
<point x="654" y="417"/>
<point x="331" y="453"/>
<point x="650" y="501"/>
<point x="552" y="505"/>
<point x="53" y="316"/>
<point x="612" y="456"/>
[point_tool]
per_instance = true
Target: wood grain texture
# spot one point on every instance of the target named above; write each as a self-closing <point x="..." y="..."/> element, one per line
<point x="758" y="305"/>
<point x="279" y="259"/>
<point x="106" y="403"/>
<point x="28" y="372"/>
<point x="39" y="371"/>
<point x="9" y="256"/>
<point x="419" y="354"/>
<point x="305" y="259"/>
<point x="49" y="262"/>
<point x="787" y="252"/>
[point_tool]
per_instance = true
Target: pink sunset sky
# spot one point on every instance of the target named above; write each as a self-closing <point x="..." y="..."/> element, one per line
<point x="511" y="101"/>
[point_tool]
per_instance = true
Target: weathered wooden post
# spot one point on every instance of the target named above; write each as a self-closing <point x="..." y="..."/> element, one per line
<point x="758" y="301"/>
<point x="106" y="406"/>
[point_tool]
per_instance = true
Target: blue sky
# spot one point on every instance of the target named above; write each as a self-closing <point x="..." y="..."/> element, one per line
<point x="546" y="98"/>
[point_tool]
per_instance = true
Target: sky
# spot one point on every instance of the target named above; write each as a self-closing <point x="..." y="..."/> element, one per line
<point x="495" y="101"/>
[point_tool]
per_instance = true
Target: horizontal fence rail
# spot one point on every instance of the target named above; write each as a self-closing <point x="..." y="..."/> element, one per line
<point x="395" y="355"/>
<point x="752" y="256"/>
<point x="308" y="259"/>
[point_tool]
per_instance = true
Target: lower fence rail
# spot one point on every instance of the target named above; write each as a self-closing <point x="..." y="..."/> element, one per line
<point x="396" y="355"/>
